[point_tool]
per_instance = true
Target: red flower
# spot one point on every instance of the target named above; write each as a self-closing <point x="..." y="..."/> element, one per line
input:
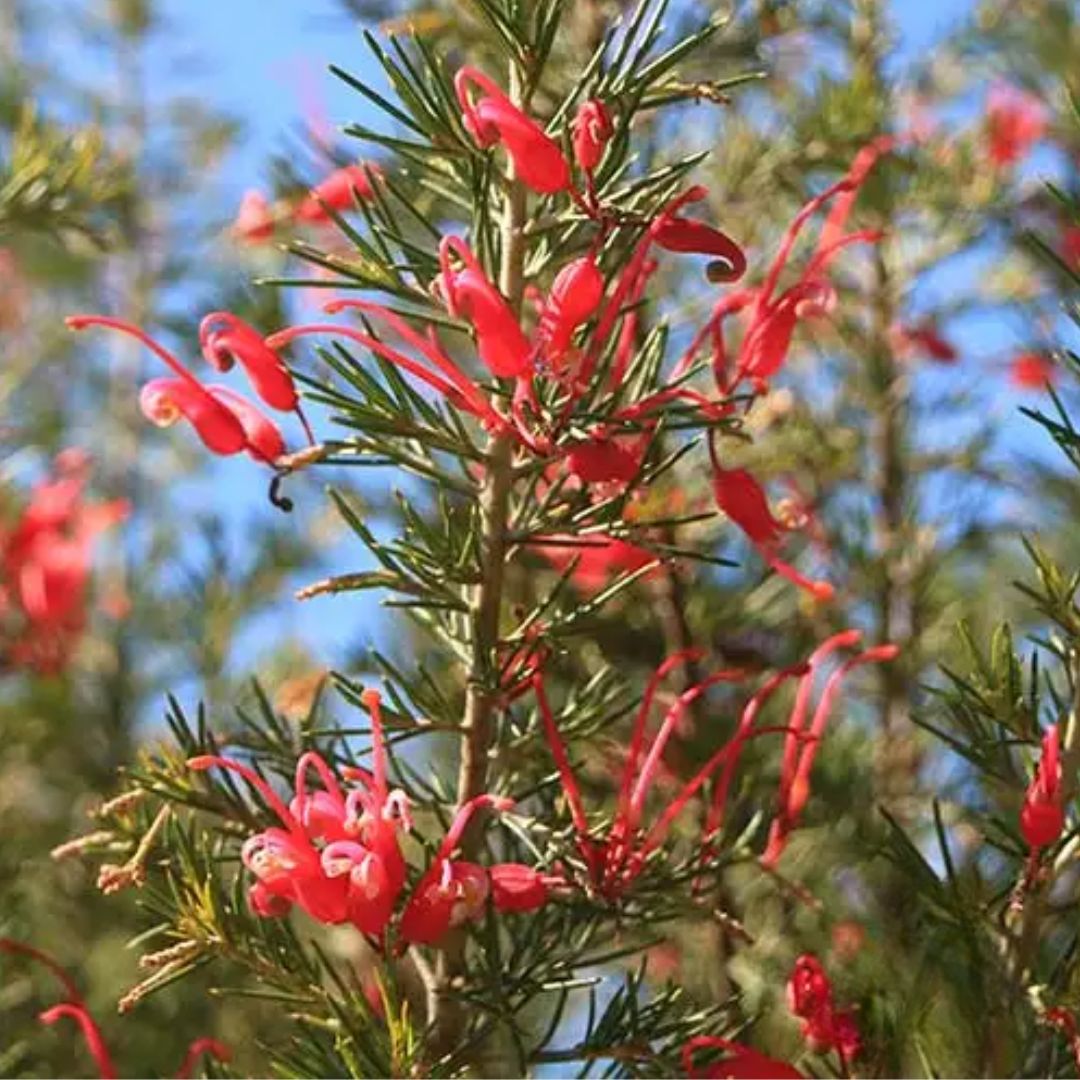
<point x="741" y="497"/>
<point x="441" y="373"/>
<point x="338" y="192"/>
<point x="452" y="891"/>
<point x="1042" y="819"/>
<point x="912" y="340"/>
<point x="599" y="558"/>
<point x="516" y="887"/>
<point x="1065" y="1022"/>
<point x="254" y="222"/>
<point x="675" y="233"/>
<point x="1015" y="121"/>
<point x="773" y="315"/>
<point x="224" y="426"/>
<point x="492" y="118"/>
<point x="45" y="563"/>
<point x="592" y="129"/>
<point x="824" y="1027"/>
<point x="339" y="856"/>
<point x="742" y="1062"/>
<point x="469" y="294"/>
<point x="614" y="862"/>
<point x="1070" y="245"/>
<point x="802" y="741"/>
<point x="74" y="1008"/>
<point x="607" y="459"/>
<point x="1032" y="371"/>
<point x="575" y="297"/>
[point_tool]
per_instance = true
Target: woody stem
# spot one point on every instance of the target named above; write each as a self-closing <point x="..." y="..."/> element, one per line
<point x="485" y="604"/>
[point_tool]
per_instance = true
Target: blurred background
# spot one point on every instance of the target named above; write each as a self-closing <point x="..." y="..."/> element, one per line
<point x="153" y="154"/>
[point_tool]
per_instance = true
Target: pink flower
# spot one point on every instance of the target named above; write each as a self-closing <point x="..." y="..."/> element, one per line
<point x="1042" y="819"/>
<point x="490" y="117"/>
<point x="469" y="294"/>
<point x="599" y="558"/>
<point x="1015" y="121"/>
<point x="574" y="298"/>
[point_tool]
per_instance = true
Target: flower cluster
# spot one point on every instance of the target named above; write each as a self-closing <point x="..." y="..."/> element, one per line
<point x="337" y="855"/>
<point x="74" y="1008"/>
<point x="45" y="559"/>
<point x="225" y="421"/>
<point x="614" y="862"/>
<point x="824" y="1026"/>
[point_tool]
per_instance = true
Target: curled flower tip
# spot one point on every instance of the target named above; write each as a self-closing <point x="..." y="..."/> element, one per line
<point x="196" y="1050"/>
<point x="95" y="1043"/>
<point x="371" y="698"/>
<point x="281" y="502"/>
<point x="592" y="129"/>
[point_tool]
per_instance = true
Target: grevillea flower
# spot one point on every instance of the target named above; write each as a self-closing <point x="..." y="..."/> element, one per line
<point x="337" y="192"/>
<point x="226" y="423"/>
<point x="677" y="233"/>
<point x="803" y="739"/>
<point x="592" y="130"/>
<point x="502" y="345"/>
<point x="598" y="558"/>
<point x="1015" y="121"/>
<point x="615" y="861"/>
<point x="810" y="998"/>
<point x="1042" y="819"/>
<point x="45" y="564"/>
<point x="739" y="1063"/>
<point x="1065" y="1022"/>
<point x="574" y="298"/>
<point x="774" y="314"/>
<point x="491" y="117"/>
<point x="742" y="498"/>
<point x="1032" y="371"/>
<point x="1070" y="246"/>
<point x="338" y="857"/>
<point x="438" y="371"/>
<point x="254" y="223"/>
<point x="74" y="1008"/>
<point x="910" y="341"/>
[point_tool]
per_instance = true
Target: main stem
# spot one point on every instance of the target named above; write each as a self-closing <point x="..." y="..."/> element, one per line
<point x="485" y="609"/>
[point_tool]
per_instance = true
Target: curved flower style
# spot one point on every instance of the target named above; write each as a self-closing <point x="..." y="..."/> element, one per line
<point x="338" y="857"/>
<point x="45" y="563"/>
<point x="225" y="422"/>
<point x="912" y="340"/>
<point x="682" y="234"/>
<point x="615" y="862"/>
<point x="74" y="1008"/>
<point x="491" y="117"/>
<point x="803" y="740"/>
<point x="741" y="1063"/>
<point x="824" y="1027"/>
<point x="1042" y="819"/>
